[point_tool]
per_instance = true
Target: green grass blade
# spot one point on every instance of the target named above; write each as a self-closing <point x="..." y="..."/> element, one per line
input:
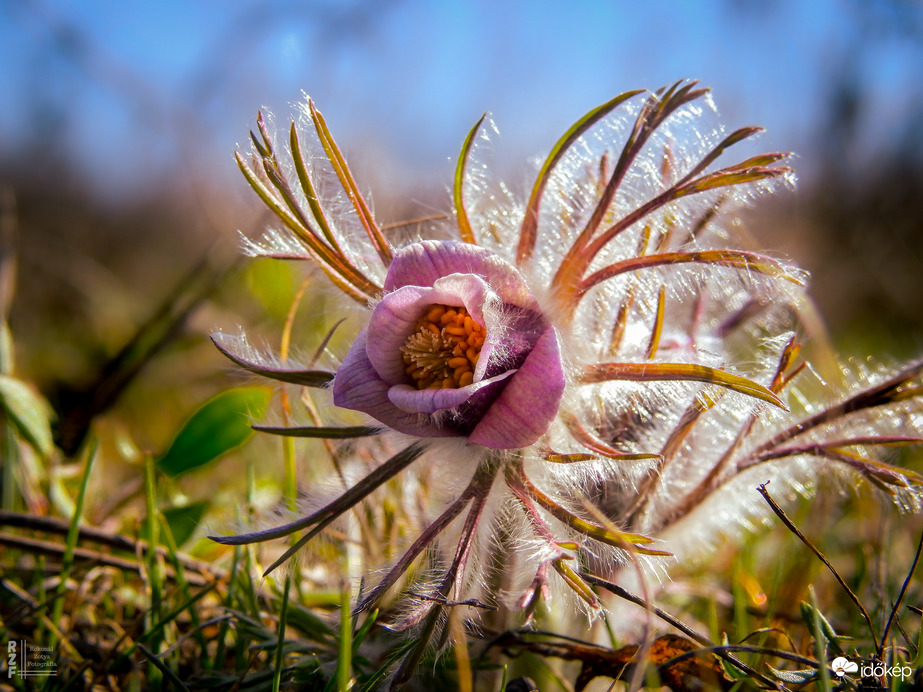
<point x="153" y="570"/>
<point x="820" y="642"/>
<point x="162" y="668"/>
<point x="345" y="661"/>
<point x="173" y="554"/>
<point x="280" y="643"/>
<point x="73" y="532"/>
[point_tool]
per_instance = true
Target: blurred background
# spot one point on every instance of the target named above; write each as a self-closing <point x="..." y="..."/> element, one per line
<point x="121" y="201"/>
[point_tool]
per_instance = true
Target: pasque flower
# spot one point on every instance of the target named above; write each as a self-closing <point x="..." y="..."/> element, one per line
<point x="457" y="346"/>
<point x="591" y="376"/>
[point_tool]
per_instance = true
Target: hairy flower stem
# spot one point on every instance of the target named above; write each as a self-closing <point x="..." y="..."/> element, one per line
<point x="477" y="489"/>
<point x="538" y="589"/>
<point x="454" y="575"/>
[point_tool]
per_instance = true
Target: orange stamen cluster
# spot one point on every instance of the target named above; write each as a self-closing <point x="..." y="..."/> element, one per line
<point x="444" y="350"/>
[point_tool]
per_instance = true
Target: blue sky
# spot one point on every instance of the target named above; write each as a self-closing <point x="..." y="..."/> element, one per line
<point x="143" y="89"/>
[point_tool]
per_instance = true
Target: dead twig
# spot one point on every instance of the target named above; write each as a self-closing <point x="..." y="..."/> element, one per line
<point x="32" y="545"/>
<point x="95" y="535"/>
<point x="900" y="598"/>
<point x="823" y="558"/>
<point x="617" y="590"/>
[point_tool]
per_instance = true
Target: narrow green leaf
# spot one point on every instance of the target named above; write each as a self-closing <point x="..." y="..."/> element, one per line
<point x="323" y="517"/>
<point x="731" y="671"/>
<point x="305" y="378"/>
<point x="217" y="427"/>
<point x="366" y="627"/>
<point x="331" y="511"/>
<point x="155" y="630"/>
<point x="464" y="224"/>
<point x="155" y="661"/>
<point x="345" y="658"/>
<point x="343" y="273"/>
<point x="350" y="187"/>
<point x="73" y="533"/>
<point x="308" y="623"/>
<point x="280" y="642"/>
<point x="573" y="580"/>
<point x="650" y="372"/>
<point x="729" y="177"/>
<point x="729" y="141"/>
<point x="819" y="626"/>
<point x="529" y="229"/>
<point x="308" y="186"/>
<point x="737" y="259"/>
<point x="322" y="432"/>
<point x="558" y="458"/>
<point x="29" y="412"/>
<point x="593" y="443"/>
<point x="793" y="677"/>
<point x="613" y="537"/>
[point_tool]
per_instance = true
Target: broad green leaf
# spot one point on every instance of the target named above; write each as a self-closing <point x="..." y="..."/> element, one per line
<point x="182" y="521"/>
<point x="29" y="412"/>
<point x="220" y="425"/>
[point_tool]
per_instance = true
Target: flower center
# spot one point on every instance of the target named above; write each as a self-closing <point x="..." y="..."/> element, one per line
<point x="444" y="351"/>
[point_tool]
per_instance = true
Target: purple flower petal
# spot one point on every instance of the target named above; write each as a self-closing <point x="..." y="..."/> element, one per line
<point x="529" y="402"/>
<point x="424" y="263"/>
<point x="410" y="399"/>
<point x="358" y="387"/>
<point x="395" y="317"/>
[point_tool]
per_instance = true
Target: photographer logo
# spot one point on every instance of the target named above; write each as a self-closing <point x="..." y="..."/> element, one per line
<point x="25" y="660"/>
